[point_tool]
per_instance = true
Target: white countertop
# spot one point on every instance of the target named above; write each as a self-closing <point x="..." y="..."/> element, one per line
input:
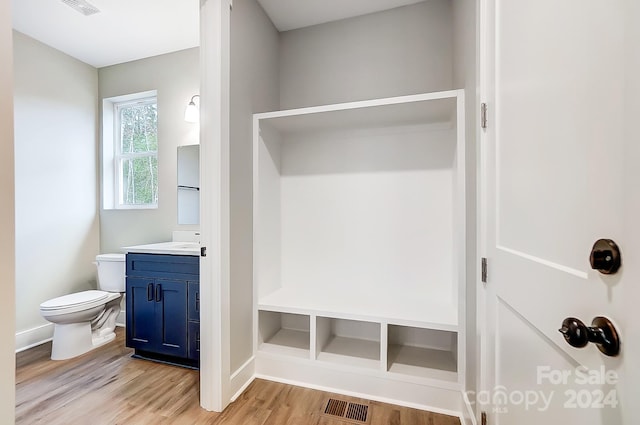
<point x="172" y="248"/>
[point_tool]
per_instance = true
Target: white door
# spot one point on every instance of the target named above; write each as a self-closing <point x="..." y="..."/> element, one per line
<point x="559" y="171"/>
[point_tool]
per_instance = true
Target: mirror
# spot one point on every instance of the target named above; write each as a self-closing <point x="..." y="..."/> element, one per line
<point x="189" y="184"/>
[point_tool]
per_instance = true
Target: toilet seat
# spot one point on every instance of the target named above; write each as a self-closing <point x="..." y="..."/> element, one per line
<point x="76" y="302"/>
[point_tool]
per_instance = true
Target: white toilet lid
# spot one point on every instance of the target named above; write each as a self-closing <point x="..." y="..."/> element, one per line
<point x="79" y="298"/>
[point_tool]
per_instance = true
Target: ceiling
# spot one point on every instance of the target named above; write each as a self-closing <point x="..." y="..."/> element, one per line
<point x="127" y="30"/>
<point x="123" y="31"/>
<point x="292" y="14"/>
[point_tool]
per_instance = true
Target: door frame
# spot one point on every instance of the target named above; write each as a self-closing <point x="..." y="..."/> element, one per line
<point x="7" y="219"/>
<point x="214" y="204"/>
<point x="485" y="314"/>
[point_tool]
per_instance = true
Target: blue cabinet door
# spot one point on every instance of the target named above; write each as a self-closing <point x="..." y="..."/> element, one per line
<point x="194" y="301"/>
<point x="141" y="316"/>
<point x="157" y="316"/>
<point x="193" y="312"/>
<point x="171" y="316"/>
<point x="194" y="341"/>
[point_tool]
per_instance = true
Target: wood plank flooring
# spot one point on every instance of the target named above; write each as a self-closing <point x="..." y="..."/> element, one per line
<point x="108" y="387"/>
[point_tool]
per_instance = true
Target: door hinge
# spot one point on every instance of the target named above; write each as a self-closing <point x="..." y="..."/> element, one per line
<point x="483" y="115"/>
<point x="230" y="4"/>
<point x="203" y="251"/>
<point x="484" y="270"/>
<point x="483" y="418"/>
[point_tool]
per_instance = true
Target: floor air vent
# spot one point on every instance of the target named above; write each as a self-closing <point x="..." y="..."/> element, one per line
<point x="347" y="411"/>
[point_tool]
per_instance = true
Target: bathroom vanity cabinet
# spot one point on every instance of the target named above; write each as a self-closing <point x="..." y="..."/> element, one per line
<point x="162" y="305"/>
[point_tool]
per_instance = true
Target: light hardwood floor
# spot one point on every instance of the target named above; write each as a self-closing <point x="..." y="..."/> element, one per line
<point x="108" y="387"/>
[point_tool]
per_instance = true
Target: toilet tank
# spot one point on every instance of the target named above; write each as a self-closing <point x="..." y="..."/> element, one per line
<point x="111" y="272"/>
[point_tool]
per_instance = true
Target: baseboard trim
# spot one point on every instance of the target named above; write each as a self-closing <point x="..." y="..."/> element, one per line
<point x="33" y="337"/>
<point x="242" y="378"/>
<point x="468" y="416"/>
<point x="327" y="377"/>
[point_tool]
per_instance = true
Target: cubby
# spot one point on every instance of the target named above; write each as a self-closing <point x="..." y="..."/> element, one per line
<point x="422" y="352"/>
<point x="286" y="334"/>
<point x="348" y="342"/>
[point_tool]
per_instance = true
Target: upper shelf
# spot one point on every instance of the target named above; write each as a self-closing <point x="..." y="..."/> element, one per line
<point x="419" y="109"/>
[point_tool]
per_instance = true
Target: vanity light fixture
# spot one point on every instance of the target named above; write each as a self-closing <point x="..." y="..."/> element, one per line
<point x="192" y="113"/>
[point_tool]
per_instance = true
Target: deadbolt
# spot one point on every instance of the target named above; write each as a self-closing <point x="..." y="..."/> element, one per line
<point x="601" y="332"/>
<point x="605" y="256"/>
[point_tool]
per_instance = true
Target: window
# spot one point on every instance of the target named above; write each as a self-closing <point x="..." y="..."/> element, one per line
<point x="137" y="152"/>
<point x="130" y="151"/>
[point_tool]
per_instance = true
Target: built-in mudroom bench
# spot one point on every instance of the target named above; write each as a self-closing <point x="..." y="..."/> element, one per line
<point x="359" y="247"/>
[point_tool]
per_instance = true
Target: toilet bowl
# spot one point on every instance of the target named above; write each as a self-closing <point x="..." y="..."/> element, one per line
<point x="86" y="320"/>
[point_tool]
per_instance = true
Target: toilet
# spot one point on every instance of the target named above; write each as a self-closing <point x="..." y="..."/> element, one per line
<point x="86" y="320"/>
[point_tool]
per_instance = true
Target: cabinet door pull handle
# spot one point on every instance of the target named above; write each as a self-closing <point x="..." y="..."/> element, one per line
<point x="197" y="302"/>
<point x="158" y="293"/>
<point x="150" y="292"/>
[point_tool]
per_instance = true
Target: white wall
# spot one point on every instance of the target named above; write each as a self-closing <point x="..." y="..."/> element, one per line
<point x="254" y="88"/>
<point x="57" y="232"/>
<point x="402" y="51"/>
<point x="7" y="227"/>
<point x="357" y="213"/>
<point x="176" y="78"/>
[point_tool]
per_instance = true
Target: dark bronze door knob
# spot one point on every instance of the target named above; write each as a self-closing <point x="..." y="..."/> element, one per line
<point x="601" y="332"/>
<point x="605" y="256"/>
<point x="574" y="332"/>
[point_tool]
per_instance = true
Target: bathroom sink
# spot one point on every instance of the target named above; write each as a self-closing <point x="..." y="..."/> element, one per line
<point x="173" y="248"/>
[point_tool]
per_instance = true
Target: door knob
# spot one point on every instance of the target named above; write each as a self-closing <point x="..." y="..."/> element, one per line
<point x="601" y="332"/>
<point x="605" y="256"/>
